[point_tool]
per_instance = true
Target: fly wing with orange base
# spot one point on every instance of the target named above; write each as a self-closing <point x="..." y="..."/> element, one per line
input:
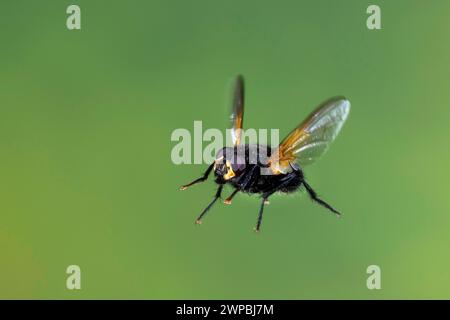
<point x="311" y="139"/>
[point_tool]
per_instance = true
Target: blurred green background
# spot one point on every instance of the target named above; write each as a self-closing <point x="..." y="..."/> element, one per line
<point x="86" y="176"/>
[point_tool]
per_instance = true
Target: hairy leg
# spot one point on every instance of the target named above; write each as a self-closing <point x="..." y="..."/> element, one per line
<point x="260" y="215"/>
<point x="201" y="179"/>
<point x="315" y="198"/>
<point x="283" y="183"/>
<point x="217" y="196"/>
<point x="228" y="200"/>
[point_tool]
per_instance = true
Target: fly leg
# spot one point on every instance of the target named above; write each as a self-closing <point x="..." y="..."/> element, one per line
<point x="245" y="182"/>
<point x="228" y="200"/>
<point x="249" y="178"/>
<point x="268" y="193"/>
<point x="201" y="179"/>
<point x="260" y="215"/>
<point x="315" y="198"/>
<point x="217" y="196"/>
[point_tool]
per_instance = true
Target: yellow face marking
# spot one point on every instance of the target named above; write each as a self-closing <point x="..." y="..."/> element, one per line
<point x="230" y="173"/>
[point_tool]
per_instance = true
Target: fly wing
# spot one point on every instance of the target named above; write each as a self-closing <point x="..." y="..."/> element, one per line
<point x="237" y="115"/>
<point x="312" y="137"/>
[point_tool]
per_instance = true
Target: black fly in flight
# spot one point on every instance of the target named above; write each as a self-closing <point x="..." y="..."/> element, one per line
<point x="278" y="169"/>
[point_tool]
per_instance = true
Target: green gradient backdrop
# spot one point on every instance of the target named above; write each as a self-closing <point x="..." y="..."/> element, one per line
<point x="85" y="170"/>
